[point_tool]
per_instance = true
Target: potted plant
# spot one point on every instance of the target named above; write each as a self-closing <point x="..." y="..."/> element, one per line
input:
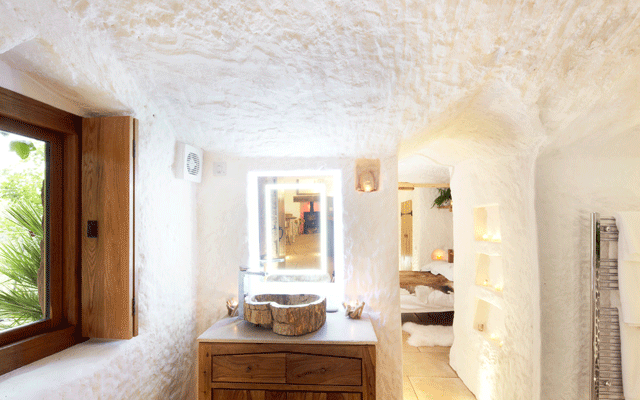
<point x="444" y="198"/>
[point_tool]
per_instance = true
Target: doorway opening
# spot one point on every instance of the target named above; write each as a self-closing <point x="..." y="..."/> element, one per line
<point x="426" y="260"/>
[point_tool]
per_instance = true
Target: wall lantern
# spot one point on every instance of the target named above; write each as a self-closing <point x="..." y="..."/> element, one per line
<point x="438" y="254"/>
<point x="367" y="175"/>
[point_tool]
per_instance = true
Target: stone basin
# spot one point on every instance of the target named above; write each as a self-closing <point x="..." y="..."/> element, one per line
<point x="287" y="314"/>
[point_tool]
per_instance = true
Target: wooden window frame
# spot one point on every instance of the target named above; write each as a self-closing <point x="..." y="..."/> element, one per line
<point x="63" y="130"/>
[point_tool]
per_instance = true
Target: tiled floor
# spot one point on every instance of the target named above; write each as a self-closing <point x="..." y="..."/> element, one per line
<point x="428" y="376"/>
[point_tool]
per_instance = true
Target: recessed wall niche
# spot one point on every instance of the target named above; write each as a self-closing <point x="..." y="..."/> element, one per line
<point x="486" y="221"/>
<point x="489" y="321"/>
<point x="489" y="271"/>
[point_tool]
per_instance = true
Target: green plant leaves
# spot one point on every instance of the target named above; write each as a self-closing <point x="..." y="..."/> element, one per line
<point x="25" y="215"/>
<point x="22" y="148"/>
<point x="20" y="259"/>
<point x="443" y="196"/>
<point x="20" y="305"/>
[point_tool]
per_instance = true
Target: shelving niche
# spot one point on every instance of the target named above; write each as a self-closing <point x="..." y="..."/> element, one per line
<point x="489" y="272"/>
<point x="486" y="222"/>
<point x="489" y="321"/>
<point x="489" y="316"/>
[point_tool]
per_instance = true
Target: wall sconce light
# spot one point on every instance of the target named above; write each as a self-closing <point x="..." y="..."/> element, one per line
<point x="367" y="174"/>
<point x="438" y="254"/>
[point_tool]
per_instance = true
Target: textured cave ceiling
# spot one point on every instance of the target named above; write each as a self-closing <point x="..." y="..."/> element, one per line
<point x="335" y="78"/>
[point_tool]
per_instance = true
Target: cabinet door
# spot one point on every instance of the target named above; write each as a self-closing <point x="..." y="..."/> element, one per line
<point x="241" y="394"/>
<point x="323" y="396"/>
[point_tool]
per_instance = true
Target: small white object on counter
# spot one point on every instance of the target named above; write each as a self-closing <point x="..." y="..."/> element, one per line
<point x="337" y="329"/>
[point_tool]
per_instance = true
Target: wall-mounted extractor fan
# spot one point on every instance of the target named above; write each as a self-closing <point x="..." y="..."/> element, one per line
<point x="188" y="164"/>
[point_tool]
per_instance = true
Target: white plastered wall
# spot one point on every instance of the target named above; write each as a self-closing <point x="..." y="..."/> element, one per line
<point x="432" y="227"/>
<point x="570" y="186"/>
<point x="159" y="363"/>
<point x="370" y="247"/>
<point x="490" y="370"/>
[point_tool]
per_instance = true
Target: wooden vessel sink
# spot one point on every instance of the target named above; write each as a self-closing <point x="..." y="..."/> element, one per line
<point x="287" y="314"/>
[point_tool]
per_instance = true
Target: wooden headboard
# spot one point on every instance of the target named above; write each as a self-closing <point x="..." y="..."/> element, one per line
<point x="410" y="279"/>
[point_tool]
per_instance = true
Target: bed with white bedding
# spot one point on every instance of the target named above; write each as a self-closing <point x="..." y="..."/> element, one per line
<point x="429" y="290"/>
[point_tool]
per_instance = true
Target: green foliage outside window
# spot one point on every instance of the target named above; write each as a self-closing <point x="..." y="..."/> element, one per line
<point x="21" y="235"/>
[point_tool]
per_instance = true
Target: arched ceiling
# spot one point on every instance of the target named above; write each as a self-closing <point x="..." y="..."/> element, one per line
<point x="335" y="78"/>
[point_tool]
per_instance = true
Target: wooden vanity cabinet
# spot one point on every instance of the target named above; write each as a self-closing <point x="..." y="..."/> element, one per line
<point x="284" y="371"/>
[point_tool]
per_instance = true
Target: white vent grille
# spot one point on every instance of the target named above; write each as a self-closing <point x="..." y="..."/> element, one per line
<point x="193" y="164"/>
<point x="188" y="164"/>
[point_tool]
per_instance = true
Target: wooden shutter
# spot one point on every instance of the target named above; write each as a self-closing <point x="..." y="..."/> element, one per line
<point x="406" y="218"/>
<point x="108" y="275"/>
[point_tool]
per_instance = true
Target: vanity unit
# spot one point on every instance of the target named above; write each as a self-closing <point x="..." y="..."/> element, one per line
<point x="240" y="361"/>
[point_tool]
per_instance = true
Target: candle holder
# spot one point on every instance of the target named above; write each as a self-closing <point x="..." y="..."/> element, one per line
<point x="367" y="175"/>
<point x="438" y="254"/>
<point x="354" y="309"/>
<point x="232" y="307"/>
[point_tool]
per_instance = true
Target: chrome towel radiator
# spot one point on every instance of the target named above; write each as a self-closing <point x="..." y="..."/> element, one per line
<point x="606" y="365"/>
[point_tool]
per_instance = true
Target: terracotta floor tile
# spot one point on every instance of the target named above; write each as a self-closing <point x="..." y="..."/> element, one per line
<point x="441" y="356"/>
<point x="427" y="374"/>
<point x="429" y="388"/>
<point x="434" y="349"/>
<point x="407" y="390"/>
<point x="407" y="348"/>
<point x="427" y="364"/>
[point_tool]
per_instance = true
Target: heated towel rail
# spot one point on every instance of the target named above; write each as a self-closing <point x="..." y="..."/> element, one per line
<point x="606" y="366"/>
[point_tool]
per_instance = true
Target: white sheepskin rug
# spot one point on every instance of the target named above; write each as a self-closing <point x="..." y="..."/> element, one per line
<point x="428" y="335"/>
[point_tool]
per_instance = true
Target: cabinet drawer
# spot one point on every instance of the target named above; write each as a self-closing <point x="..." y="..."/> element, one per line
<point x="230" y="394"/>
<point x="309" y="369"/>
<point x="254" y="368"/>
<point x="323" y="396"/>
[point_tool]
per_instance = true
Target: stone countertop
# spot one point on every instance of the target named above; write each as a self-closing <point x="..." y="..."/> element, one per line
<point x="338" y="329"/>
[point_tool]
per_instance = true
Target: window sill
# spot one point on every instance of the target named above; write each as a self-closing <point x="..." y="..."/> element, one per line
<point x="18" y="354"/>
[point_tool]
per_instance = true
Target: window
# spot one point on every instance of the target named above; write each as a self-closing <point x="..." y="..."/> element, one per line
<point x="52" y="135"/>
<point x="89" y="182"/>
